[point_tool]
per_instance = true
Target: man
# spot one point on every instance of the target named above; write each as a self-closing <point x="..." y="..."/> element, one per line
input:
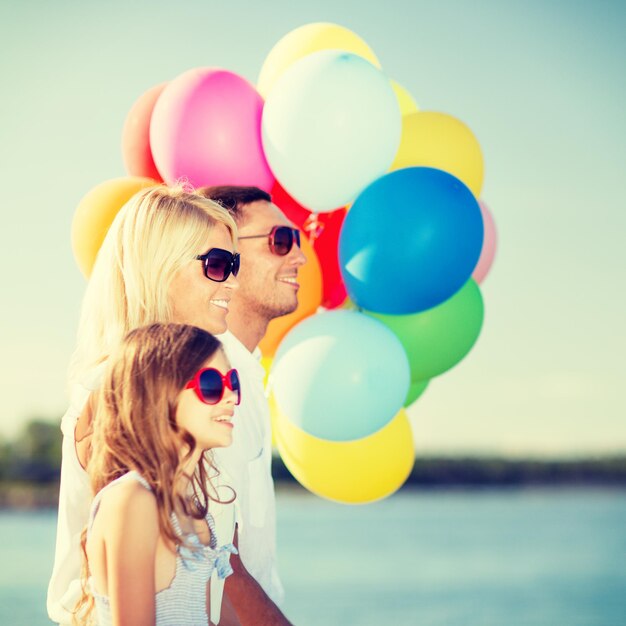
<point x="268" y="279"/>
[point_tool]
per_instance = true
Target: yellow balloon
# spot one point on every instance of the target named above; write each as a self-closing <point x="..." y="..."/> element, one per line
<point x="405" y="99"/>
<point x="432" y="139"/>
<point x="273" y="413"/>
<point x="352" y="472"/>
<point x="95" y="212"/>
<point x="305" y="40"/>
<point x="349" y="305"/>
<point x="266" y="362"/>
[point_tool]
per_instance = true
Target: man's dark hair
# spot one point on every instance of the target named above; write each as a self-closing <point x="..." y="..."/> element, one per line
<point x="234" y="198"/>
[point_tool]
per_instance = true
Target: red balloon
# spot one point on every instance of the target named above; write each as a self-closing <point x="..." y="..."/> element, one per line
<point x="136" y="151"/>
<point x="322" y="230"/>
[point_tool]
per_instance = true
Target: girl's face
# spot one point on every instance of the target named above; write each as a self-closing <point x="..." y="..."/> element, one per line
<point x="197" y="300"/>
<point x="210" y="424"/>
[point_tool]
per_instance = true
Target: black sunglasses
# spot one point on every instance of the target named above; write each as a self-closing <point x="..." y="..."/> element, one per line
<point x="281" y="239"/>
<point x="219" y="264"/>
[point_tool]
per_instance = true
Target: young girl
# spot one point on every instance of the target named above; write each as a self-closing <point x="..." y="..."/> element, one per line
<point x="167" y="397"/>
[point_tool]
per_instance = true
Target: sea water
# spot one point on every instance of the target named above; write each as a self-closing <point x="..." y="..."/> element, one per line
<point x="538" y="557"/>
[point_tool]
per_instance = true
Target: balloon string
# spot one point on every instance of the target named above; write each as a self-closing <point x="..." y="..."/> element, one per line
<point x="313" y="227"/>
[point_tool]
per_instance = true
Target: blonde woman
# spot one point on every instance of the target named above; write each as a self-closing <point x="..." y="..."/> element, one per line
<point x="167" y="398"/>
<point x="169" y="256"/>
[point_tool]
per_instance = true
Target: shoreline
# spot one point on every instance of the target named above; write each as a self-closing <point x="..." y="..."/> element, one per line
<point x="429" y="474"/>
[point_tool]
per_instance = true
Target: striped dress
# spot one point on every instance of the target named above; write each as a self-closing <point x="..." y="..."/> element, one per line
<point x="183" y="603"/>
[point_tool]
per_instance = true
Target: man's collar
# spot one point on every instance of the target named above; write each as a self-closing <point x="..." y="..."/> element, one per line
<point x="233" y="343"/>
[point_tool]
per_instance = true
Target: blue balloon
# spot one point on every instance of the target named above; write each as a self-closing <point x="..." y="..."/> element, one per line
<point x="340" y="376"/>
<point x="410" y="241"/>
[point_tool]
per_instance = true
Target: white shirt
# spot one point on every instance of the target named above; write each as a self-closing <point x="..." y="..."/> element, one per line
<point x="64" y="589"/>
<point x="75" y="497"/>
<point x="247" y="463"/>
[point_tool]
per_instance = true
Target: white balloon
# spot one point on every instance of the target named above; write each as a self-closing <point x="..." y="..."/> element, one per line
<point x="331" y="126"/>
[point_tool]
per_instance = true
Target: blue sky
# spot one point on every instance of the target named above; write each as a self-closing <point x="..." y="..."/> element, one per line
<point x="541" y="85"/>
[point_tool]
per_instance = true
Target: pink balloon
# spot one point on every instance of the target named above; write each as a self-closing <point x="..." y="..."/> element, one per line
<point x="206" y="128"/>
<point x="488" y="251"/>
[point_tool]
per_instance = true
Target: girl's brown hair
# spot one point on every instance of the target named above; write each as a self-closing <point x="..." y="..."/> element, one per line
<point x="135" y="424"/>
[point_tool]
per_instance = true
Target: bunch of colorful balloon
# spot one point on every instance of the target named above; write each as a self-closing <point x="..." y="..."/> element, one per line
<point x="337" y="131"/>
<point x="324" y="129"/>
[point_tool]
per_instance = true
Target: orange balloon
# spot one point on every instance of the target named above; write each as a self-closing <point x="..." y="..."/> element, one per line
<point x="95" y="212"/>
<point x="136" y="152"/>
<point x="309" y="300"/>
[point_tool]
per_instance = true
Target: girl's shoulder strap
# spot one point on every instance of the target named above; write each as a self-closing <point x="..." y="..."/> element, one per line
<point x="211" y="524"/>
<point x="134" y="475"/>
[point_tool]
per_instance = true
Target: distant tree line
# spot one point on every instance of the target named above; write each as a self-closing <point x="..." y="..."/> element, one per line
<point x="437" y="472"/>
<point x="485" y="472"/>
<point x="34" y="457"/>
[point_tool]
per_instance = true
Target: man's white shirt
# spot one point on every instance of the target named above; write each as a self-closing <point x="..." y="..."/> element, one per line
<point x="247" y="464"/>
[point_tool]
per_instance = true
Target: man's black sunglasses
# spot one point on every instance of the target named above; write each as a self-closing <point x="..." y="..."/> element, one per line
<point x="280" y="239"/>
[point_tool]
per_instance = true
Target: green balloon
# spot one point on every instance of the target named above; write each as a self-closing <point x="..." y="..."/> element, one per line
<point x="416" y="389"/>
<point x="437" y="339"/>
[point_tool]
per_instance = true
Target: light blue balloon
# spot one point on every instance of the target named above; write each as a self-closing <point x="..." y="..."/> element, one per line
<point x="340" y="375"/>
<point x="331" y="125"/>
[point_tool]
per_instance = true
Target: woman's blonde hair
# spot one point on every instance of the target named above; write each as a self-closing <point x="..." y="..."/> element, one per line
<point x="155" y="233"/>
<point x="135" y="426"/>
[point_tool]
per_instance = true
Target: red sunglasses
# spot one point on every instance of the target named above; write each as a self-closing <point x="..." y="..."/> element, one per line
<point x="210" y="384"/>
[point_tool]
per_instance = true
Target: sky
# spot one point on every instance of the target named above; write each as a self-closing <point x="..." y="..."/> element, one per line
<point x="542" y="86"/>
